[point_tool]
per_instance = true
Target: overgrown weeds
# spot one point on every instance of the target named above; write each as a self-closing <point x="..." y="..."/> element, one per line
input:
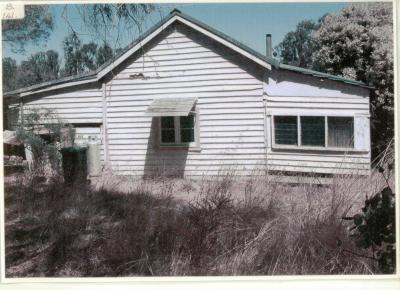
<point x="232" y="227"/>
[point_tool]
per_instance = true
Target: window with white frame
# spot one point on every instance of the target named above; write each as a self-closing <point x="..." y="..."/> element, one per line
<point x="178" y="130"/>
<point x="314" y="131"/>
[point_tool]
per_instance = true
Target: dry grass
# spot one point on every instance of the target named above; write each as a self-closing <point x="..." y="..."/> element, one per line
<point x="219" y="226"/>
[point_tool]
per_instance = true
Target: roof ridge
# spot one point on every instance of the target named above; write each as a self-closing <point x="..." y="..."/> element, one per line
<point x="176" y="12"/>
<point x="321" y="74"/>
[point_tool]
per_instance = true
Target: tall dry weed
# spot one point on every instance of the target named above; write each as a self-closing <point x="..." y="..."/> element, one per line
<point x="234" y="226"/>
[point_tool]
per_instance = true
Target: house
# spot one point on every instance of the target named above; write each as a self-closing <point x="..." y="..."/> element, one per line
<point x="185" y="99"/>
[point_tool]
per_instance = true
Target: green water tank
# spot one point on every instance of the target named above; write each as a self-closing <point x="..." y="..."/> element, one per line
<point x="74" y="163"/>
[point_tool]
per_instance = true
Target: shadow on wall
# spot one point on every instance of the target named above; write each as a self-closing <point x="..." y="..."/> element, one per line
<point x="160" y="162"/>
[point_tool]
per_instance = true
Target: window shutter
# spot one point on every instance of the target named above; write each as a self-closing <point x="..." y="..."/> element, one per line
<point x="362" y="138"/>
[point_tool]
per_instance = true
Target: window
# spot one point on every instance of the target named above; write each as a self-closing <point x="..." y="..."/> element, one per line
<point x="341" y="132"/>
<point x="286" y="130"/>
<point x="314" y="131"/>
<point x="167" y="130"/>
<point x="178" y="130"/>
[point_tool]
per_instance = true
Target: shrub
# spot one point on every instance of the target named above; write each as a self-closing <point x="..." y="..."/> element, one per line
<point x="374" y="228"/>
<point x="43" y="133"/>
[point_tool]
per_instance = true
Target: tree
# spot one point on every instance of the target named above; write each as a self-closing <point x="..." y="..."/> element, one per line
<point x="104" y="53"/>
<point x="34" y="27"/>
<point x="357" y="42"/>
<point x="51" y="68"/>
<point x="9" y="74"/>
<point x="40" y="67"/>
<point x="72" y="57"/>
<point x="296" y="47"/>
<point x="83" y="58"/>
<point x="88" y="53"/>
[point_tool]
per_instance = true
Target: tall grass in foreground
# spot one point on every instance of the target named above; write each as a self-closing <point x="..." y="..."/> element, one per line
<point x="232" y="227"/>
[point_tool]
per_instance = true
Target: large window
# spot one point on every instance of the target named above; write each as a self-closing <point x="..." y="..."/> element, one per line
<point x="314" y="131"/>
<point x="178" y="130"/>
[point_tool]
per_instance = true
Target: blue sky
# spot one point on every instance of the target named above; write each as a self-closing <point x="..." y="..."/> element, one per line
<point x="246" y="22"/>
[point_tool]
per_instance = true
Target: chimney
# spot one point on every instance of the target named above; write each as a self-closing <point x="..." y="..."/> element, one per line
<point x="268" y="45"/>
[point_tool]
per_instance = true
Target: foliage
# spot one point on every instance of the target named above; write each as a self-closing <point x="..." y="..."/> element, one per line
<point x="374" y="229"/>
<point x="9" y="74"/>
<point x="89" y="53"/>
<point x="79" y="58"/>
<point x="104" y="19"/>
<point x="357" y="42"/>
<point x="45" y="66"/>
<point x="40" y="67"/>
<point x="34" y="27"/>
<point x="72" y="55"/>
<point x="41" y="131"/>
<point x="104" y="53"/>
<point x="83" y="58"/>
<point x="296" y="47"/>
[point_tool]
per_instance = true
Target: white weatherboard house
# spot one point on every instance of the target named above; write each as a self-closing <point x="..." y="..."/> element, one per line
<point x="185" y="99"/>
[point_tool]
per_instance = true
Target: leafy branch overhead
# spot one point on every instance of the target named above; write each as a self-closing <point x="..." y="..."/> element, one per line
<point x="35" y="27"/>
<point x="102" y="19"/>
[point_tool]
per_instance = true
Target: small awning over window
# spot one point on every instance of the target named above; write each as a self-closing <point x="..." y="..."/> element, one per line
<point x="170" y="107"/>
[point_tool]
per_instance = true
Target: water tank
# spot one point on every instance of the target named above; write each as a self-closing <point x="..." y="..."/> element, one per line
<point x="93" y="157"/>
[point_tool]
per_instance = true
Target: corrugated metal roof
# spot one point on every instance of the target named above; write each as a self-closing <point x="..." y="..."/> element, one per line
<point x="272" y="61"/>
<point x="320" y="74"/>
<point x="170" y="107"/>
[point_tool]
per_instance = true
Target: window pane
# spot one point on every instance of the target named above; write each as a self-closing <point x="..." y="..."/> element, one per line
<point x="187" y="122"/>
<point x="168" y="136"/>
<point x="187" y="135"/>
<point x="341" y="132"/>
<point x="285" y="130"/>
<point x="312" y="131"/>
<point x="187" y="129"/>
<point x="167" y="122"/>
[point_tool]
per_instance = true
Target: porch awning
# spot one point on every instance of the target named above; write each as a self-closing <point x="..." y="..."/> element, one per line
<point x="170" y="107"/>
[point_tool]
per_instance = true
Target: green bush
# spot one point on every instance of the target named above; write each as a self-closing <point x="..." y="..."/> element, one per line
<point x="374" y="229"/>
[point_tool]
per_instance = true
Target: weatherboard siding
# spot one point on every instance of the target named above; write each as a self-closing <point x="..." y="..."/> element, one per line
<point x="288" y="93"/>
<point x="236" y="102"/>
<point x="231" y="113"/>
<point x="74" y="106"/>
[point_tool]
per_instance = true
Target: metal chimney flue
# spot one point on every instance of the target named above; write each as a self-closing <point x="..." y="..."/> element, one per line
<point x="268" y="43"/>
